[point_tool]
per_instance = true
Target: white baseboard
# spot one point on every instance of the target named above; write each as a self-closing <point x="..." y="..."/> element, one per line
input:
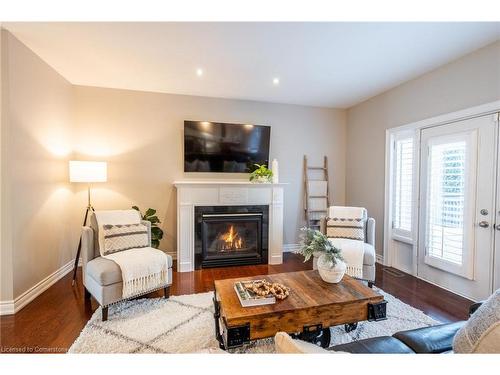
<point x="290" y="247"/>
<point x="173" y="254"/>
<point x="13" y="306"/>
<point x="379" y="259"/>
<point x="7" y="307"/>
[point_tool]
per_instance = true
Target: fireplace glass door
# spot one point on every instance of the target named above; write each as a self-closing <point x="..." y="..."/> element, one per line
<point x="231" y="236"/>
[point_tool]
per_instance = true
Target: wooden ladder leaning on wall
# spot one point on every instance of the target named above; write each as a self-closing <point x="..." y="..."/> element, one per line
<point x="316" y="193"/>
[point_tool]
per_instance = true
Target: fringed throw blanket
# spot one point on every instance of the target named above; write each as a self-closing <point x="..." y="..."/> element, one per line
<point x="143" y="269"/>
<point x="345" y="227"/>
<point x="353" y="252"/>
<point x="124" y="240"/>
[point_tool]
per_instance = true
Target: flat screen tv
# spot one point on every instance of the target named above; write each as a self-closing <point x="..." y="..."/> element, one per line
<point x="221" y="147"/>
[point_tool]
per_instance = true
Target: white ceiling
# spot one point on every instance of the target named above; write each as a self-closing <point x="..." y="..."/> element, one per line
<point x="321" y="64"/>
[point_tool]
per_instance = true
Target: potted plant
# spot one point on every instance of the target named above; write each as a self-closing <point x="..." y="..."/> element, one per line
<point x="262" y="174"/>
<point x="331" y="266"/>
<point x="156" y="231"/>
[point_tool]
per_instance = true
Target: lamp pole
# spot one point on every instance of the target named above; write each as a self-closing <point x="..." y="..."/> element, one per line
<point x="77" y="258"/>
<point x="89" y="172"/>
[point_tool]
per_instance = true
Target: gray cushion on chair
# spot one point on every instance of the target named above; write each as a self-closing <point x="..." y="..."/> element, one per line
<point x="106" y="272"/>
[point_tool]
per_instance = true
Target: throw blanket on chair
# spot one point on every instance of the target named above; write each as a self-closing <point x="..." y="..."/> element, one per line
<point x="345" y="226"/>
<point x="353" y="253"/>
<point x="123" y="239"/>
<point x="143" y="270"/>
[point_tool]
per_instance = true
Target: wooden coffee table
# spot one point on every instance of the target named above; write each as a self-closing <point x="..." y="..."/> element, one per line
<point x="311" y="308"/>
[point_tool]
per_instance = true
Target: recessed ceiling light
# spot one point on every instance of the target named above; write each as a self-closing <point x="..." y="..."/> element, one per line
<point x="276" y="81"/>
<point x="199" y="72"/>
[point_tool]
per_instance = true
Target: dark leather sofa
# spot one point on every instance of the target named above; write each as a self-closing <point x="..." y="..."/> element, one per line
<point x="427" y="340"/>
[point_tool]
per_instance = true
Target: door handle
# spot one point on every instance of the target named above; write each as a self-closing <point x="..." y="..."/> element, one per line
<point x="483" y="224"/>
<point x="497" y="227"/>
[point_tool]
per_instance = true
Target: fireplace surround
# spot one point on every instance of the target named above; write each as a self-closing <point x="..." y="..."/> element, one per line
<point x="196" y="193"/>
<point x="231" y="235"/>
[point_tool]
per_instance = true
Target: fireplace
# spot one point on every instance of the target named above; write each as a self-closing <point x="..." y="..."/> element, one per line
<point x="230" y="235"/>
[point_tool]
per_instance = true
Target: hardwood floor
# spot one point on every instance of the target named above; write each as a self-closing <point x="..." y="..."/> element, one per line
<point x="53" y="321"/>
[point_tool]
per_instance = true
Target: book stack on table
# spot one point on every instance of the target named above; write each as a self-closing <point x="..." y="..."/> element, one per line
<point x="249" y="298"/>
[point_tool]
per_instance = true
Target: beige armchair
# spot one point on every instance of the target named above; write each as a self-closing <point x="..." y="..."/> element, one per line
<point x="102" y="278"/>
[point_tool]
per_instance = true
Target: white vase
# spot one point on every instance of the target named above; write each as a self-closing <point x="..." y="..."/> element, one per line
<point x="316" y="255"/>
<point x="261" y="180"/>
<point x="330" y="273"/>
<point x="275" y="169"/>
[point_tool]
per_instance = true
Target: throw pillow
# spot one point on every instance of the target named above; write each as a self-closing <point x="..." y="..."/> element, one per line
<point x="481" y="333"/>
<point x="284" y="344"/>
<point x="350" y="228"/>
<point x="124" y="237"/>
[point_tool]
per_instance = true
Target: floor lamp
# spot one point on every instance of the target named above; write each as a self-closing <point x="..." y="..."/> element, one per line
<point x="86" y="172"/>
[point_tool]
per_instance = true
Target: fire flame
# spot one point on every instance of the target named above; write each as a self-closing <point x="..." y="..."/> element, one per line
<point x="232" y="240"/>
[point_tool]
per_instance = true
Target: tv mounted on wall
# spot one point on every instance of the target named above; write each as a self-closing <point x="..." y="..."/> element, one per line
<point x="221" y="147"/>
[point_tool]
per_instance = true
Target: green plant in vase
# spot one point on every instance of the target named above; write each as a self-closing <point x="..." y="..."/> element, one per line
<point x="262" y="174"/>
<point x="331" y="266"/>
<point x="156" y="231"/>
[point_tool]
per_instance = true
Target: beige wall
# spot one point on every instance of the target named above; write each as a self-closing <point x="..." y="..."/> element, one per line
<point x="37" y="204"/>
<point x="46" y="121"/>
<point x="140" y="134"/>
<point x="6" y="286"/>
<point x="472" y="80"/>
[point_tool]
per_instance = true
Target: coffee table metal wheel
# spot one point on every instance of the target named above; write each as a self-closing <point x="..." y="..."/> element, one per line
<point x="323" y="338"/>
<point x="320" y="337"/>
<point x="349" y="327"/>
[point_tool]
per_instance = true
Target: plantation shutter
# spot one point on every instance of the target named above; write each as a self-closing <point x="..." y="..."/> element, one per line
<point x="402" y="188"/>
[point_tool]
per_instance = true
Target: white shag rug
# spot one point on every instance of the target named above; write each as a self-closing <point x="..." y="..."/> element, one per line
<point x="185" y="324"/>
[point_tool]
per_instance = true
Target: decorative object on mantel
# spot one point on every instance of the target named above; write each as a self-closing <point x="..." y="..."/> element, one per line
<point x="275" y="170"/>
<point x="331" y="266"/>
<point x="262" y="174"/>
<point x="156" y="231"/>
<point x="87" y="172"/>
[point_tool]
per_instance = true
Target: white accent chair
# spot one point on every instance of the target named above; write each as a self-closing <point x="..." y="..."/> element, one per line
<point x="369" y="257"/>
<point x="102" y="278"/>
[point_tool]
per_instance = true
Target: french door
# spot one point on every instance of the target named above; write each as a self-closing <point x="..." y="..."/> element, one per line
<point x="457" y="206"/>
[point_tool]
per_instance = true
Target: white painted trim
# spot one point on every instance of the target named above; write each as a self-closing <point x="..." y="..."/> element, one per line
<point x="379" y="259"/>
<point x="291" y="247"/>
<point x="173" y="254"/>
<point x="7" y="307"/>
<point x="476" y="111"/>
<point x="12" y="307"/>
<point x="387" y="197"/>
<point x="192" y="194"/>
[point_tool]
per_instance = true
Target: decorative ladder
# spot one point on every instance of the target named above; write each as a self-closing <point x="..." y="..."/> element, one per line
<point x="316" y="193"/>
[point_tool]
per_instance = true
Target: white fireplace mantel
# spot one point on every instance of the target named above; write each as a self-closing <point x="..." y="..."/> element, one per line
<point x="191" y="193"/>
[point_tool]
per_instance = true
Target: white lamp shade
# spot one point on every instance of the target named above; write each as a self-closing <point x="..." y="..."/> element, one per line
<point x="88" y="171"/>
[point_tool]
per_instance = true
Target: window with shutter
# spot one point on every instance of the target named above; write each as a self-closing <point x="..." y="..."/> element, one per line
<point x="402" y="197"/>
<point x="450" y="187"/>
